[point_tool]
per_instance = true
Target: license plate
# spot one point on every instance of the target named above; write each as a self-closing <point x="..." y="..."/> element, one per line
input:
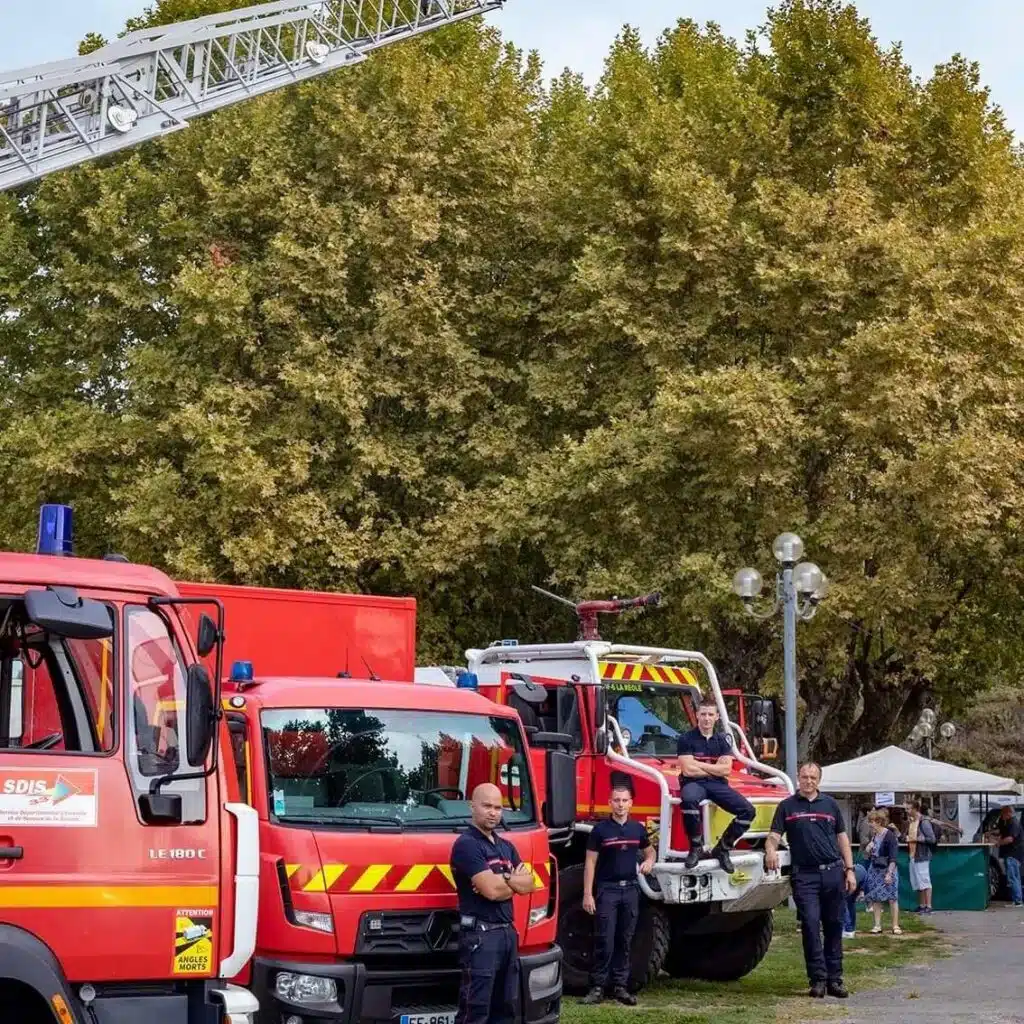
<point x="428" y="1018"/>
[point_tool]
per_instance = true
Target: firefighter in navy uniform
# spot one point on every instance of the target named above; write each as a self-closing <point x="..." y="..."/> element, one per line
<point x="821" y="873"/>
<point x="610" y="867"/>
<point x="705" y="763"/>
<point x="488" y="872"/>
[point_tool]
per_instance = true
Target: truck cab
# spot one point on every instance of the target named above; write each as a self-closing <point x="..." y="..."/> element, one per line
<point x="361" y="788"/>
<point x="127" y="858"/>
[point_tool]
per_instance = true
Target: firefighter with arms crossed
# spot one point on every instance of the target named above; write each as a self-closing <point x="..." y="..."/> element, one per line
<point x="488" y="872"/>
<point x="821" y="874"/>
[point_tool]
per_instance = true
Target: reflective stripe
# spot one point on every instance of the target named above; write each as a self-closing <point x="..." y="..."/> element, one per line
<point x="338" y="879"/>
<point x="64" y="896"/>
<point x="638" y="672"/>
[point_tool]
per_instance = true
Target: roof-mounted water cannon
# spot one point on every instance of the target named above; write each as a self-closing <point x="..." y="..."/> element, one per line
<point x="588" y="611"/>
<point x="56" y="530"/>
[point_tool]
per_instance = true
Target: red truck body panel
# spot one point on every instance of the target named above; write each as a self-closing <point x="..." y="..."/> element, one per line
<point x="314" y="633"/>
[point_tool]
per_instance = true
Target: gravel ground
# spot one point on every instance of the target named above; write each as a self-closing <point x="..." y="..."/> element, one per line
<point x="978" y="984"/>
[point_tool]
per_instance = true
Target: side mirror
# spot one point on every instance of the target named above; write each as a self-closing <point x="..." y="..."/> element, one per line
<point x="60" y="610"/>
<point x="601" y="741"/>
<point x="201" y="722"/>
<point x="761" y="718"/>
<point x="206" y="635"/>
<point x="560" y="805"/>
<point x="551" y="739"/>
<point x="161" y="808"/>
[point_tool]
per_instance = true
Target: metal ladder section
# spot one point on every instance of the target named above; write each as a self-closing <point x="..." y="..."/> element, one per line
<point x="152" y="82"/>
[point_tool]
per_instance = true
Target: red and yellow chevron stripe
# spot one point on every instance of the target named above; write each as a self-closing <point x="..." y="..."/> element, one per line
<point x="635" y="672"/>
<point x="339" y="879"/>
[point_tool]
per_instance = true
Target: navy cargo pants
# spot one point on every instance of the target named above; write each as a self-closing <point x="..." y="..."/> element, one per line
<point x="820" y="896"/>
<point x="617" y="907"/>
<point x="489" y="959"/>
<point x="719" y="792"/>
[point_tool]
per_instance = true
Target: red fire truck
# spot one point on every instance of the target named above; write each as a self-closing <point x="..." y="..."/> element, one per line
<point x="361" y="787"/>
<point x="128" y="862"/>
<point x="576" y="697"/>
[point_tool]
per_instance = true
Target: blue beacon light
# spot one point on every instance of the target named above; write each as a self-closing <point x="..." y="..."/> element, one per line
<point x="241" y="672"/>
<point x="56" y="530"/>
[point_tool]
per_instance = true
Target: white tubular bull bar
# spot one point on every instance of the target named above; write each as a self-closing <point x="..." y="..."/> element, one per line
<point x="669" y="859"/>
<point x="775" y="775"/>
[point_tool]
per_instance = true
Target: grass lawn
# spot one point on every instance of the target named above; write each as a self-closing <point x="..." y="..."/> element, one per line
<point x="777" y="990"/>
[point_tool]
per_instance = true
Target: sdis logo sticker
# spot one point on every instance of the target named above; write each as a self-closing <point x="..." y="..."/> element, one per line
<point x="54" y="798"/>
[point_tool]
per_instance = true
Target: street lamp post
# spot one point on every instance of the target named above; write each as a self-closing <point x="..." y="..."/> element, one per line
<point x="925" y="729"/>
<point x="799" y="588"/>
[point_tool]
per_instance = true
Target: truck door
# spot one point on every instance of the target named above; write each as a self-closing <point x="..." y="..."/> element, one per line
<point x="116" y="897"/>
<point x="554" y="706"/>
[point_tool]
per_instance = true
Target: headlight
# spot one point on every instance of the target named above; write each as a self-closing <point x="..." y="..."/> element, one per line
<point x="543" y="979"/>
<point x="305" y="988"/>
<point x="311" y="919"/>
<point x="538" y="915"/>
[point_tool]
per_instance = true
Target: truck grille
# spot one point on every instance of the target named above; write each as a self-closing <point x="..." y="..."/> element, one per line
<point x="391" y="937"/>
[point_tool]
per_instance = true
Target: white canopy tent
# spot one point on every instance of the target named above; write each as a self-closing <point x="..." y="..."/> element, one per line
<point x="893" y="769"/>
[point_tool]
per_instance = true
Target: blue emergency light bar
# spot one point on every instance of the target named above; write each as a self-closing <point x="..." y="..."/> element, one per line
<point x="56" y="530"/>
<point x="466" y="680"/>
<point x="241" y="672"/>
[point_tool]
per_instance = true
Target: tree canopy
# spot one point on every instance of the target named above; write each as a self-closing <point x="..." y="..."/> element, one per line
<point x="435" y="325"/>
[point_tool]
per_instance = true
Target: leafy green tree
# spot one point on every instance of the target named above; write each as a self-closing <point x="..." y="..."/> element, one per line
<point x="431" y="326"/>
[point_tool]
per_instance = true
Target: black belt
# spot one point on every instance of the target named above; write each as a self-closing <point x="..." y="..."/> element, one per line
<point x="818" y="867"/>
<point x="621" y="882"/>
<point x="467" y="922"/>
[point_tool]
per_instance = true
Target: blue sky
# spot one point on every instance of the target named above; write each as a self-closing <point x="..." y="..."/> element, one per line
<point x="577" y="33"/>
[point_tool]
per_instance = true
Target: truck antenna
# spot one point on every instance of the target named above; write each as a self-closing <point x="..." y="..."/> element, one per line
<point x="373" y="675"/>
<point x="588" y="611"/>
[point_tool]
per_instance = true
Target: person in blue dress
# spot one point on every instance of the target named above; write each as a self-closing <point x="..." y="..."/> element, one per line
<point x="881" y="883"/>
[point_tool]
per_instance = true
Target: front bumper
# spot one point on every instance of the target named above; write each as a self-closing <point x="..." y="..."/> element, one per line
<point x="750" y="887"/>
<point x="372" y="996"/>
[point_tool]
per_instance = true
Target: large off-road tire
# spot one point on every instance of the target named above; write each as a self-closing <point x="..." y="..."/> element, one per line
<point x="576" y="937"/>
<point x="650" y="944"/>
<point x="724" y="957"/>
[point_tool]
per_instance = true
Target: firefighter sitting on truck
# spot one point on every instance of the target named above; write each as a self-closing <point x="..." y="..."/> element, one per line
<point x="705" y="763"/>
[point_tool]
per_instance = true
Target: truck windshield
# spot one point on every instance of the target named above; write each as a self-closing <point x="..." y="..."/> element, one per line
<point x="651" y="716"/>
<point x="336" y="767"/>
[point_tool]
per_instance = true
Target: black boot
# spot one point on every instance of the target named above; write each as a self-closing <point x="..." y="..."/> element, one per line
<point x="838" y="989"/>
<point x="624" y="996"/>
<point x="594" y="996"/>
<point x="817" y="990"/>
<point x="693" y="857"/>
<point x="721" y="854"/>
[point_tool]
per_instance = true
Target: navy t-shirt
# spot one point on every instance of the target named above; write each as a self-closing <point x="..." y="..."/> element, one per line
<point x="1013" y="829"/>
<point x="709" y="750"/>
<point x="811" y="826"/>
<point x="472" y="853"/>
<point x="616" y="847"/>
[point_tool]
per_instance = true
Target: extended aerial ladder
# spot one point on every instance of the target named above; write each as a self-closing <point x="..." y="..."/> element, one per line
<point x="152" y="82"/>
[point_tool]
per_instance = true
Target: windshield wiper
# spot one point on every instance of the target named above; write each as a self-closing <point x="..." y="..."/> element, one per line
<point x="389" y="824"/>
